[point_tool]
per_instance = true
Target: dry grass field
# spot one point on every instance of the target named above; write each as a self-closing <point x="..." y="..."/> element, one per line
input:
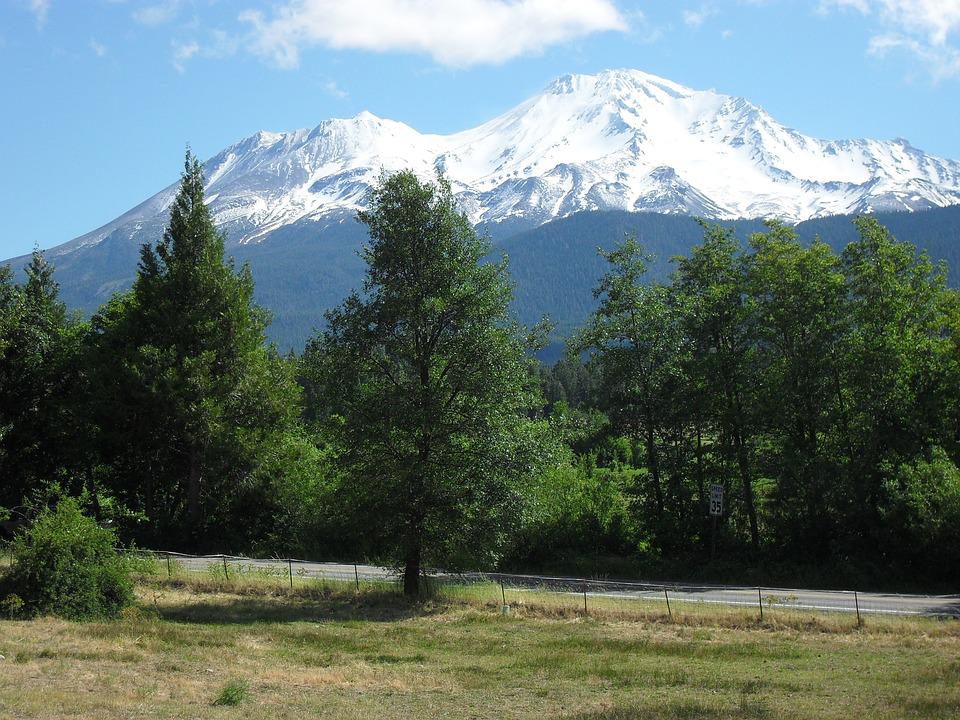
<point x="207" y="648"/>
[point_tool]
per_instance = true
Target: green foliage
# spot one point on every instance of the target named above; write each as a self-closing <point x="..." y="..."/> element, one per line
<point x="579" y="508"/>
<point x="819" y="391"/>
<point x="233" y="693"/>
<point x="923" y="506"/>
<point x="431" y="384"/>
<point x="39" y="347"/>
<point x="638" y="350"/>
<point x="568" y="381"/>
<point x="65" y="564"/>
<point x="186" y="400"/>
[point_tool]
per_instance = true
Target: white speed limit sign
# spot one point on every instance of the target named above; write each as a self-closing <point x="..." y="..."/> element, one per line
<point x="716" y="499"/>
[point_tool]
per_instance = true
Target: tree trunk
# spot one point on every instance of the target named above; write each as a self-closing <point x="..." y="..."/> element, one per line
<point x="653" y="463"/>
<point x="193" y="489"/>
<point x="411" y="570"/>
<point x="747" y="489"/>
<point x="701" y="485"/>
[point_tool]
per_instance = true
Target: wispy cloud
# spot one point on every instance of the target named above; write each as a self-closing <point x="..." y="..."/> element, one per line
<point x="159" y="13"/>
<point x="182" y="52"/>
<point x="696" y="18"/>
<point x="99" y="49"/>
<point x="333" y="89"/>
<point x="455" y="34"/>
<point x="927" y="29"/>
<point x="218" y="44"/>
<point x="40" y="8"/>
<point x="641" y="28"/>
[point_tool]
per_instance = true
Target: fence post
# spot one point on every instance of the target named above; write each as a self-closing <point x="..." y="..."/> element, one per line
<point x="290" y="570"/>
<point x="356" y="576"/>
<point x="503" y="593"/>
<point x="667" y="598"/>
<point x="226" y="575"/>
<point x="585" y="611"/>
<point x="760" y="603"/>
<point x="169" y="574"/>
<point x="856" y="601"/>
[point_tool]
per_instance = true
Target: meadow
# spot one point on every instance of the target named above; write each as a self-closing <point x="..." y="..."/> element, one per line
<point x="202" y="646"/>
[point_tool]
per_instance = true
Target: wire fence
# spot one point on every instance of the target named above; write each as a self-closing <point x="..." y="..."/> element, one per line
<point x="566" y="595"/>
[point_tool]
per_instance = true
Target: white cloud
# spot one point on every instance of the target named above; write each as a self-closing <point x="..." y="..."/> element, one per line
<point x="641" y="28"/>
<point x="99" y="49"/>
<point x="944" y="61"/>
<point x="696" y="18"/>
<point x="860" y="5"/>
<point x="40" y="8"/>
<point x="331" y="87"/>
<point x="158" y="14"/>
<point x="457" y="34"/>
<point x="182" y="52"/>
<point x="926" y="28"/>
<point x="220" y="44"/>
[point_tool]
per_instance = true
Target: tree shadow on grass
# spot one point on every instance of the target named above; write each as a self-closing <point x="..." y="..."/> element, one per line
<point x="682" y="710"/>
<point x="252" y="609"/>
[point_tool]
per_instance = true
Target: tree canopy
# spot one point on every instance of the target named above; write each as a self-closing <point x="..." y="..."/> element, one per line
<point x="432" y="381"/>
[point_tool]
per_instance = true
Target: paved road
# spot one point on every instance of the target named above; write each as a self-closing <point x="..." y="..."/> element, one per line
<point x="773" y="598"/>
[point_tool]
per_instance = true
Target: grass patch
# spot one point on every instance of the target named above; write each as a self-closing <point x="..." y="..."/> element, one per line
<point x="334" y="652"/>
<point x="233" y="693"/>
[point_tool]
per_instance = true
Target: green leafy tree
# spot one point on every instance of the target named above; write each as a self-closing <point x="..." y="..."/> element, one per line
<point x="798" y="299"/>
<point x="187" y="398"/>
<point x="709" y="285"/>
<point x="432" y="383"/>
<point x="637" y="344"/>
<point x="898" y="367"/>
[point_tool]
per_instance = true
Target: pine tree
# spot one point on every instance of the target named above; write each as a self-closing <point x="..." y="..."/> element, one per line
<point x="190" y="381"/>
<point x="36" y="348"/>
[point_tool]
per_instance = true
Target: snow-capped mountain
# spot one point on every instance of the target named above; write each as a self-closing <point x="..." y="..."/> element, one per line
<point x="621" y="139"/>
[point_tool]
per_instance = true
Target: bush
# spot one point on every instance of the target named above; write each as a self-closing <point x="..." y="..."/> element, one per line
<point x="922" y="514"/>
<point x="233" y="693"/>
<point x="65" y="564"/>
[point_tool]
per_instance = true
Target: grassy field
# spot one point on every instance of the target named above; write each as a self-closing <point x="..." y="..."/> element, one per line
<point x="248" y="649"/>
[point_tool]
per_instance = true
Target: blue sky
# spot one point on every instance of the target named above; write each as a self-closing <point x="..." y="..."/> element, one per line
<point x="99" y="97"/>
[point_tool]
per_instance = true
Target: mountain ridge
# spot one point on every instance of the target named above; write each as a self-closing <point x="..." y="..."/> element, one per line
<point x="617" y="140"/>
<point x="301" y="270"/>
<point x="556" y="165"/>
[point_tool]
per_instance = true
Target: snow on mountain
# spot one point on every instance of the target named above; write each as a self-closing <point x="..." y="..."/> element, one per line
<point x="621" y="139"/>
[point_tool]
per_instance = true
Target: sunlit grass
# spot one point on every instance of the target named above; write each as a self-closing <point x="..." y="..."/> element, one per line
<point x="331" y="651"/>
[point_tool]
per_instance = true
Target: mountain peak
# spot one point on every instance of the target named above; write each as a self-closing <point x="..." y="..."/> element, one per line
<point x="621" y="82"/>
<point x="618" y="139"/>
<point x="365" y="116"/>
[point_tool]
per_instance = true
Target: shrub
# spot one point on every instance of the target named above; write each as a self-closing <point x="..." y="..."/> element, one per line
<point x="65" y="564"/>
<point x="233" y="693"/>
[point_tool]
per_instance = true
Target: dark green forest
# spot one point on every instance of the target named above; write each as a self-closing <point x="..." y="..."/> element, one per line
<point x="815" y="379"/>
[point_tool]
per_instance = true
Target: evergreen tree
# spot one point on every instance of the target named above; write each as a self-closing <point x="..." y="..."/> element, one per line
<point x="187" y="393"/>
<point x="37" y="347"/>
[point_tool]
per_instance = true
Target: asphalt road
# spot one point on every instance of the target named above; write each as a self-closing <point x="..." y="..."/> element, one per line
<point x="680" y="594"/>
